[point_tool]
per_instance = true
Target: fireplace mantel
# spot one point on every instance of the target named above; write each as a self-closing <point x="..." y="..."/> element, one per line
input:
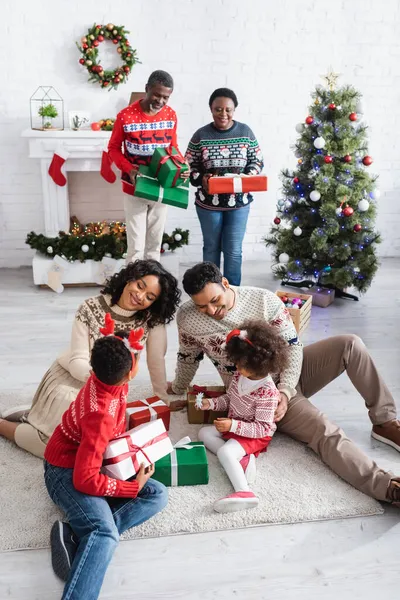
<point x="84" y="148"/>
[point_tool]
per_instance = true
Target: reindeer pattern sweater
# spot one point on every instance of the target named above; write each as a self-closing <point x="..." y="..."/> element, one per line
<point x="139" y="134"/>
<point x="94" y="418"/>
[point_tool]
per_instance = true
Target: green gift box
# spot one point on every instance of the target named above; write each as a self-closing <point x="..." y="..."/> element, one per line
<point x="186" y="465"/>
<point x="148" y="187"/>
<point x="167" y="165"/>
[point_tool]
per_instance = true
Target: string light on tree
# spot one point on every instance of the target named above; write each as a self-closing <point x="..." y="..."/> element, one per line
<point x="375" y="194"/>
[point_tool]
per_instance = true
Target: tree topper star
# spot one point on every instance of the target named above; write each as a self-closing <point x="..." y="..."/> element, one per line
<point x="331" y="78"/>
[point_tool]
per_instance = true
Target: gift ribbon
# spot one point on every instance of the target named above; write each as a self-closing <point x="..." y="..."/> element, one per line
<point x="181" y="444"/>
<point x="147" y="406"/>
<point x="176" y="159"/>
<point x="237" y="185"/>
<point x="133" y="449"/>
<point x="161" y="189"/>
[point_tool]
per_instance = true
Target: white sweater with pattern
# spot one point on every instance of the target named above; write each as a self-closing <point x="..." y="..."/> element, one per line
<point x="200" y="334"/>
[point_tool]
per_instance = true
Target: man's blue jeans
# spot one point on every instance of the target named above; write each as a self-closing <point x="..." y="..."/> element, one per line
<point x="98" y="522"/>
<point x="223" y="231"/>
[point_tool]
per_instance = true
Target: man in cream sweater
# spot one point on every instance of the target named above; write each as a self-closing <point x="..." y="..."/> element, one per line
<point x="216" y="308"/>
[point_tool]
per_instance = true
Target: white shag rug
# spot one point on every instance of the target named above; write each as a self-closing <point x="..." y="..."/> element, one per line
<point x="292" y="483"/>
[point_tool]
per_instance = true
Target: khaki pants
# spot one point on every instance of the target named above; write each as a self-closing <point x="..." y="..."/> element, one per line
<point x="323" y="362"/>
<point x="30" y="439"/>
<point x="145" y="222"/>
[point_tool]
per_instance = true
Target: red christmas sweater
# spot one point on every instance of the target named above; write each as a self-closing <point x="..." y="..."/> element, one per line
<point x="95" y="417"/>
<point x="139" y="135"/>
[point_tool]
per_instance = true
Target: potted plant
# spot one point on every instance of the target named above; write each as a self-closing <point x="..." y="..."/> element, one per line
<point x="47" y="112"/>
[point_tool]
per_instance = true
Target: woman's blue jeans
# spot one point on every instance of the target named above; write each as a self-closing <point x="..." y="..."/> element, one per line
<point x="97" y="523"/>
<point x="223" y="231"/>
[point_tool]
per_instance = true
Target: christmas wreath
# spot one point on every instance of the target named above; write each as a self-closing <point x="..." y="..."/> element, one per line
<point x="95" y="241"/>
<point x="89" y="51"/>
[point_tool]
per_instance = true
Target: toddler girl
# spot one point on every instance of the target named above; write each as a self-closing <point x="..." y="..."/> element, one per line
<point x="257" y="351"/>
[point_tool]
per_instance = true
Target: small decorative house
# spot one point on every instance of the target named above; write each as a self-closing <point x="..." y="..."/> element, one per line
<point x="47" y="109"/>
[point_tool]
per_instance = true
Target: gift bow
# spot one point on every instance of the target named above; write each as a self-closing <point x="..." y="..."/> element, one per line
<point x="148" y="405"/>
<point x="133" y="449"/>
<point x="182" y="444"/>
<point x="178" y="161"/>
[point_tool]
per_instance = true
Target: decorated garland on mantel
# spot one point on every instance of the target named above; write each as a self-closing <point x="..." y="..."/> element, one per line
<point x="89" y="50"/>
<point x="95" y="241"/>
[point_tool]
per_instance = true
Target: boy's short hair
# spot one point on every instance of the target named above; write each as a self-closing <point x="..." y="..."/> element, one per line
<point x="111" y="360"/>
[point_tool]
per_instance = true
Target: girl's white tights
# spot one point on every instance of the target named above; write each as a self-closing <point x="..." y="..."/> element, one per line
<point x="229" y="454"/>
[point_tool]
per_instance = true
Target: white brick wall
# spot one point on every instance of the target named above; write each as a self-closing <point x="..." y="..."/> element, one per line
<point x="271" y="53"/>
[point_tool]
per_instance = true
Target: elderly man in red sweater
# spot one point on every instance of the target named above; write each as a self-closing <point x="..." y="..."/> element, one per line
<point x="139" y="129"/>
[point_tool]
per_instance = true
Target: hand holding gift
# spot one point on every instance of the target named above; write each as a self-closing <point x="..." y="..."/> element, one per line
<point x="223" y="425"/>
<point x="144" y="475"/>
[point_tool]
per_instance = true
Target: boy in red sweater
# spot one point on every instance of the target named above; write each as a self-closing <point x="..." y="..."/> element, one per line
<point x="98" y="508"/>
<point x="139" y="129"/>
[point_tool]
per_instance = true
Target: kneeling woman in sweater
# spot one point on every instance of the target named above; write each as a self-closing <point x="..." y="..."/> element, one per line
<point x="143" y="294"/>
<point x="258" y="352"/>
<point x="97" y="507"/>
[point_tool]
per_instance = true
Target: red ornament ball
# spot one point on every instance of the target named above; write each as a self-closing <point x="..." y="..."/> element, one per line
<point x="332" y="106"/>
<point x="126" y="69"/>
<point x="284" y="299"/>
<point x="105" y="83"/>
<point x="347" y="158"/>
<point x="348" y="211"/>
<point x="277" y="220"/>
<point x="95" y="126"/>
<point x="100" y="38"/>
<point x="367" y="160"/>
<point x="96" y="43"/>
<point x="353" y="116"/>
<point x="85" y="46"/>
<point x="162" y="251"/>
<point x="296" y="180"/>
<point x="82" y="61"/>
<point x="309" y="120"/>
<point x="115" y="41"/>
<point x="328" y="159"/>
<point x="357" y="227"/>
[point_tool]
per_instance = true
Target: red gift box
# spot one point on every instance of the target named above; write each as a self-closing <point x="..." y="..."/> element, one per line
<point x="144" y="411"/>
<point x="235" y="184"/>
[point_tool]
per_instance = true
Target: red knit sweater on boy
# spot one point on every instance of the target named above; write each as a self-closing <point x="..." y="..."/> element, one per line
<point x="140" y="134"/>
<point x="95" y="417"/>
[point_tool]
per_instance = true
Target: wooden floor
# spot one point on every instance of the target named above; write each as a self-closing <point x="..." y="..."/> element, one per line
<point x="349" y="559"/>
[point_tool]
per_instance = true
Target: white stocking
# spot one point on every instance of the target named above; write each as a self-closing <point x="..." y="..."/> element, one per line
<point x="229" y="454"/>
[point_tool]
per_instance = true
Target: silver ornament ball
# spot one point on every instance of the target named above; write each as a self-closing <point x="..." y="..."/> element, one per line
<point x="284" y="258"/>
<point x="298" y="231"/>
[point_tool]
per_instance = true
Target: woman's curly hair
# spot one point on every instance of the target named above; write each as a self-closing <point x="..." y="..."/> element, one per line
<point x="267" y="353"/>
<point x="163" y="309"/>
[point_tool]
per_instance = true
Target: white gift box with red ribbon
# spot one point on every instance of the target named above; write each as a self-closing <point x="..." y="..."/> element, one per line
<point x="146" y="444"/>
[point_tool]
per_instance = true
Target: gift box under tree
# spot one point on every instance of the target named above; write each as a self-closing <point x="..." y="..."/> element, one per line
<point x="144" y="411"/>
<point x="237" y="184"/>
<point x="167" y="165"/>
<point x="144" y="444"/>
<point x="186" y="465"/>
<point x="149" y="187"/>
<point x="196" y="416"/>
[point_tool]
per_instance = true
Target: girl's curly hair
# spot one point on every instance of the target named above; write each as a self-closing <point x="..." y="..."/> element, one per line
<point x="267" y="353"/>
<point x="163" y="309"/>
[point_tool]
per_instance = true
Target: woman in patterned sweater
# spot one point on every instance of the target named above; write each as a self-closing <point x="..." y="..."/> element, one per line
<point x="142" y="294"/>
<point x="257" y="350"/>
<point x="223" y="146"/>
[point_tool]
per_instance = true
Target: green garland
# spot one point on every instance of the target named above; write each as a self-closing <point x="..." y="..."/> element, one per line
<point x="88" y="246"/>
<point x="89" y="51"/>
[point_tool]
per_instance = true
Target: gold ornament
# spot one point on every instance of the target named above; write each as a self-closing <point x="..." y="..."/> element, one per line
<point x="110" y="26"/>
<point x="331" y="78"/>
<point x="300" y="161"/>
<point x="316" y="102"/>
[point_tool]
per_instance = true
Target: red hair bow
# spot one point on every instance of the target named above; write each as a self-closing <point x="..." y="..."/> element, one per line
<point x="242" y="333"/>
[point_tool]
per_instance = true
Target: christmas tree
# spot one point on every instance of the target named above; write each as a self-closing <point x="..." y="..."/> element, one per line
<point x="323" y="232"/>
